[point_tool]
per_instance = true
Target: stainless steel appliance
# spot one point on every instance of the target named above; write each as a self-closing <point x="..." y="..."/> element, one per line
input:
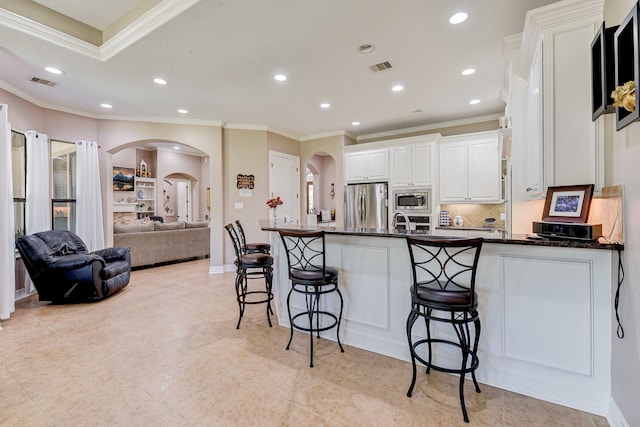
<point x="366" y="205"/>
<point x="412" y="201"/>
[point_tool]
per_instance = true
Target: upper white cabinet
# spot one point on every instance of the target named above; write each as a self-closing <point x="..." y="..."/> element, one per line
<point x="411" y="164"/>
<point x="367" y="166"/>
<point x="470" y="168"/>
<point x="563" y="147"/>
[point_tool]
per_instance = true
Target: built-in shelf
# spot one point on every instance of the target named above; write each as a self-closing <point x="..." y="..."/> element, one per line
<point x="626" y="63"/>
<point x="603" y="80"/>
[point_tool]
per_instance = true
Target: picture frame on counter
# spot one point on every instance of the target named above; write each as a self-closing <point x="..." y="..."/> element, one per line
<point x="568" y="203"/>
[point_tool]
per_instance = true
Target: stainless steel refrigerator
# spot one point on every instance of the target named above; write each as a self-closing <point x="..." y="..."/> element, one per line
<point x="366" y="205"/>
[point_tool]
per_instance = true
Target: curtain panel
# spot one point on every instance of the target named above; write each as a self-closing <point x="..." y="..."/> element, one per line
<point x="7" y="228"/>
<point x="89" y="222"/>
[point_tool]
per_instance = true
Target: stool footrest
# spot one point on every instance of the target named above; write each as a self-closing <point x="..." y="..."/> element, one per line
<point x="312" y="328"/>
<point x="469" y="369"/>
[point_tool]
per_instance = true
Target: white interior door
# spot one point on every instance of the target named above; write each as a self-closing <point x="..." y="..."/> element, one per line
<point x="184" y="201"/>
<point x="284" y="181"/>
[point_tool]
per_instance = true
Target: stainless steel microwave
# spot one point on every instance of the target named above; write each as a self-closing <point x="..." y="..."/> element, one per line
<point x="412" y="201"/>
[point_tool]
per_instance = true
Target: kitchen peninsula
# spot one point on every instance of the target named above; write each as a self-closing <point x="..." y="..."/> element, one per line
<point x="546" y="308"/>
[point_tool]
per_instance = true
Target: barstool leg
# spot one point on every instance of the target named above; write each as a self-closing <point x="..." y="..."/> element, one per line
<point x="427" y="324"/>
<point x="241" y="288"/>
<point x="312" y="306"/>
<point x="411" y="319"/>
<point x="475" y="352"/>
<point x="339" y="318"/>
<point x="290" y="318"/>
<point x="268" y="276"/>
<point x="464" y="346"/>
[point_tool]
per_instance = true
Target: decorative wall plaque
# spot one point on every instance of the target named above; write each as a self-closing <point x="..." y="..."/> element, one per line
<point x="245" y="181"/>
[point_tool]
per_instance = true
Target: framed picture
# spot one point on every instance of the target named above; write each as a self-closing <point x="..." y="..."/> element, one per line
<point x="568" y="203"/>
<point x="123" y="178"/>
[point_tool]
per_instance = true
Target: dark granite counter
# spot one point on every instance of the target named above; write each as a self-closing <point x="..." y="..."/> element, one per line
<point x="518" y="239"/>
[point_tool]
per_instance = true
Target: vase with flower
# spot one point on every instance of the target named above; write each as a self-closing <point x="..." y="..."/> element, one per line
<point x="273" y="203"/>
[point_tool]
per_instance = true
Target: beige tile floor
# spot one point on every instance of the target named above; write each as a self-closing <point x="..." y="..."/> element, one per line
<point x="165" y="352"/>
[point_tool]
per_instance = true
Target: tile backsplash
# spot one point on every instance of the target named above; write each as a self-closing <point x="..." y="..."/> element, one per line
<point x="607" y="210"/>
<point x="474" y="215"/>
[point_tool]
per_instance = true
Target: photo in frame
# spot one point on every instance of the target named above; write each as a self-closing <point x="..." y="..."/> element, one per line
<point x="568" y="203"/>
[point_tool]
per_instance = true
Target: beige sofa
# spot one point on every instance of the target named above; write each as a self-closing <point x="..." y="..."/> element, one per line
<point x="155" y="242"/>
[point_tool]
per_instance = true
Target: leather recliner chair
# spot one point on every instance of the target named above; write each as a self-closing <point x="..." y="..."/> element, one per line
<point x="63" y="271"/>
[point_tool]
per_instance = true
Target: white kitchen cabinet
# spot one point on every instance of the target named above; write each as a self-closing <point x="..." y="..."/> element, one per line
<point x="470" y="168"/>
<point x="367" y="166"/>
<point x="411" y="165"/>
<point x="562" y="144"/>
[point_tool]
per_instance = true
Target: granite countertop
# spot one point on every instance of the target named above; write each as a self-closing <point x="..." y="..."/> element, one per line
<point x="516" y="239"/>
<point x="453" y="227"/>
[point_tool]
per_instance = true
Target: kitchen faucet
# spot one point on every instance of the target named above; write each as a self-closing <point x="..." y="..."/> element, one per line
<point x="406" y="221"/>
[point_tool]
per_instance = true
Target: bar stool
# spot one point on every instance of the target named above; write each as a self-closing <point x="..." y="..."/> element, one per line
<point x="311" y="277"/>
<point x="443" y="290"/>
<point x="251" y="266"/>
<point x="251" y="248"/>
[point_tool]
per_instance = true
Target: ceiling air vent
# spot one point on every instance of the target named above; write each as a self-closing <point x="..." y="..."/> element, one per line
<point x="382" y="66"/>
<point x="45" y="82"/>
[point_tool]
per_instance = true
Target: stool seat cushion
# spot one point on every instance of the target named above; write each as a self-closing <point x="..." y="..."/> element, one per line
<point x="331" y="275"/>
<point x="432" y="292"/>
<point x="254" y="246"/>
<point x="255" y="260"/>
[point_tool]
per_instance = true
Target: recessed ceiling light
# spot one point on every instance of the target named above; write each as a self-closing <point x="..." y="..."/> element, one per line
<point x="54" y="70"/>
<point x="355" y="123"/>
<point x="458" y="18"/>
<point x="397" y="88"/>
<point x="280" y="77"/>
<point x="325" y="105"/>
<point x="175" y="147"/>
<point x="468" y="71"/>
<point x="474" y="101"/>
<point x="160" y="81"/>
<point x="183" y="111"/>
<point x="366" y="48"/>
<point x="106" y="105"/>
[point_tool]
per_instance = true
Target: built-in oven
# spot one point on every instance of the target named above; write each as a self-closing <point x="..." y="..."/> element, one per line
<point x="412" y="201"/>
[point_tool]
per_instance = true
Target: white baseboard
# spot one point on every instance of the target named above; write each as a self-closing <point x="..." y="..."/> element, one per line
<point x="216" y="269"/>
<point x="615" y="417"/>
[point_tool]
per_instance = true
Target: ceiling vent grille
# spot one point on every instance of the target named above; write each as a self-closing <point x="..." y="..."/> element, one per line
<point x="45" y="82"/>
<point x="382" y="66"/>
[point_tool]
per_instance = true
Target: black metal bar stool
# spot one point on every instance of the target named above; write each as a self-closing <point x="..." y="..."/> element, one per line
<point x="251" y="266"/>
<point x="311" y="277"/>
<point x="443" y="290"/>
<point x="253" y="247"/>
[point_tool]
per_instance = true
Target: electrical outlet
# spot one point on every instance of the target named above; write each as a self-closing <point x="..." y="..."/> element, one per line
<point x="238" y="205"/>
<point x="503" y="217"/>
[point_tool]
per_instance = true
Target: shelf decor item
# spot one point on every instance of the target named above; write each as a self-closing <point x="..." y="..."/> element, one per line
<point x="568" y="203"/>
<point x="625" y="96"/>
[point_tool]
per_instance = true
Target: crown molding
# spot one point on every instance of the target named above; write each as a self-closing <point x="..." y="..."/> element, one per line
<point x="433" y="126"/>
<point x="147" y="23"/>
<point x="245" y="126"/>
<point x="538" y="20"/>
<point x="327" y="135"/>
<point x="43" y="32"/>
<point x="165" y="120"/>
